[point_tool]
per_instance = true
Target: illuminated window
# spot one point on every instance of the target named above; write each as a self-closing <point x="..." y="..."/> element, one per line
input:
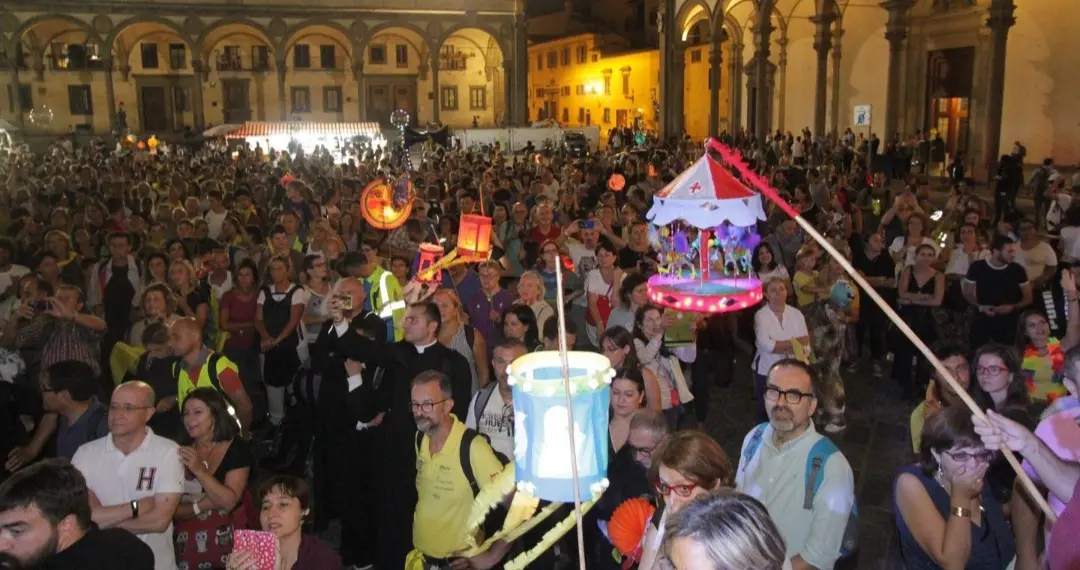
<point x="477" y="98"/>
<point x="607" y="115"/>
<point x="448" y="100"/>
<point x="301" y="100"/>
<point x="582" y="54"/>
<point x="331" y="97"/>
<point x="607" y="84"/>
<point x="564" y="60"/>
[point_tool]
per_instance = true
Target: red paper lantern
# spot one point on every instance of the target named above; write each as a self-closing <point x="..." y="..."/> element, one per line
<point x="285" y="180"/>
<point x="617" y="182"/>
<point x="474" y="237"/>
<point x="140" y="145"/>
<point x="377" y="206"/>
<point x="427" y="255"/>
<point x="628" y="524"/>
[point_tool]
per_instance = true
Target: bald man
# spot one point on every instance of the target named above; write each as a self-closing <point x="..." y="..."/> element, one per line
<point x="134" y="476"/>
<point x="201" y="367"/>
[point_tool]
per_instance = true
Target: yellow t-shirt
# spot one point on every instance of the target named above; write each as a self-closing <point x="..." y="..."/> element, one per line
<point x="801" y="281"/>
<point x="444" y="497"/>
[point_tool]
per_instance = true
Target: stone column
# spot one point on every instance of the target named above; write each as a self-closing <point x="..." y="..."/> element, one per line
<point x="19" y="120"/>
<point x="896" y="30"/>
<point x="716" y="55"/>
<point x="437" y="106"/>
<point x="822" y="44"/>
<point x="736" y="81"/>
<point x="782" y="42"/>
<point x="671" y="71"/>
<point x="1000" y="20"/>
<point x="110" y="94"/>
<point x="509" y="108"/>
<point x="519" y="114"/>
<point x="836" y="55"/>
<point x="283" y="106"/>
<point x="762" y="31"/>
<point x="198" y="112"/>
<point x="358" y="74"/>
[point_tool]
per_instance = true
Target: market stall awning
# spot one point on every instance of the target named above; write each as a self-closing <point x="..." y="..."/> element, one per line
<point x="284" y="129"/>
<point x="221" y="130"/>
<point x="6" y="126"/>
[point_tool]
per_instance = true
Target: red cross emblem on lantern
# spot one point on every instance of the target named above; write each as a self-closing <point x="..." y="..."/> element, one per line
<point x="695" y="188"/>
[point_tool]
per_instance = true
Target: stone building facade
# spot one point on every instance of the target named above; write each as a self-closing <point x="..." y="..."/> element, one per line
<point x="71" y="64"/>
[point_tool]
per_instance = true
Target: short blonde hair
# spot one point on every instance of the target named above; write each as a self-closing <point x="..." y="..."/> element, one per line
<point x="734" y="530"/>
<point x="539" y="282"/>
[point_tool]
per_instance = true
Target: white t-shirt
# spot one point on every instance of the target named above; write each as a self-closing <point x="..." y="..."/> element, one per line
<point x="959" y="261"/>
<point x="9" y="277"/>
<point x="496" y="422"/>
<point x="1070" y="244"/>
<point x="152" y="469"/>
<point x="594" y="283"/>
<point x="584" y="262"/>
<point x="213" y="223"/>
<point x="1036" y="259"/>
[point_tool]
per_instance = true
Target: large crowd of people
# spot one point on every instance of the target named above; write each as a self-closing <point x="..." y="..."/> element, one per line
<point x="213" y="350"/>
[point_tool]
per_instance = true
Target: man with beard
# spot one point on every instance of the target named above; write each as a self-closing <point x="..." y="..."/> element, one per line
<point x="784" y="460"/>
<point x="453" y="464"/>
<point x="45" y="523"/>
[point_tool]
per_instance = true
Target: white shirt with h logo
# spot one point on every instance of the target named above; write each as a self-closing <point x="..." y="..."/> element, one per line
<point x="153" y="468"/>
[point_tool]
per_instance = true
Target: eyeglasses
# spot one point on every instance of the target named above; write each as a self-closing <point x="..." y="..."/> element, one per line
<point x="640" y="451"/>
<point x="991" y="370"/>
<point x="425" y="407"/>
<point x="772" y="393"/>
<point x="126" y="409"/>
<point x="984" y="456"/>
<point x="682" y="489"/>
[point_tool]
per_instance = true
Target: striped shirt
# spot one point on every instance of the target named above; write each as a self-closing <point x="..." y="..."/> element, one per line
<point x="61" y="340"/>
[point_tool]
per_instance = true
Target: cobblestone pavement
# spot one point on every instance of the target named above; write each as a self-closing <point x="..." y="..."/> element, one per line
<point x="876" y="443"/>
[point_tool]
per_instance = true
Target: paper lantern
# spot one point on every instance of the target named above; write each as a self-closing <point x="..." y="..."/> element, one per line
<point x="617" y="182"/>
<point x="628" y="524"/>
<point x="377" y="206"/>
<point x="474" y="237"/>
<point x="427" y="255"/>
<point x="285" y="180"/>
<point x="152" y="142"/>
<point x="542" y="425"/>
<point x="140" y="145"/>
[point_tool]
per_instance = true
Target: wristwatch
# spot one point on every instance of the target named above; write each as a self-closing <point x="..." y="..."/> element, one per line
<point x="134" y="509"/>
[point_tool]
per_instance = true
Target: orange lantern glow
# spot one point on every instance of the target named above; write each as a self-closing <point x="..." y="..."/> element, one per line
<point x="377" y="206"/>
<point x="427" y="255"/>
<point x="617" y="182"/>
<point x="140" y="145"/>
<point x="152" y="142"/>
<point x="474" y="237"/>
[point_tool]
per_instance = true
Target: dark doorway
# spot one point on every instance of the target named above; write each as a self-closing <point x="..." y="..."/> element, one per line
<point x="237" y="105"/>
<point x="154" y="109"/>
<point x="384" y="96"/>
<point x="950" y="76"/>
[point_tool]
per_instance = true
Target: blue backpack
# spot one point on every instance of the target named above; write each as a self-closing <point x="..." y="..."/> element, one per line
<point x="815" y="466"/>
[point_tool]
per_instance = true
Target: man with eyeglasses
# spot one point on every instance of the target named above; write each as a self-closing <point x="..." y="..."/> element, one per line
<point x="134" y="476"/>
<point x="783" y="459"/>
<point x="453" y="464"/>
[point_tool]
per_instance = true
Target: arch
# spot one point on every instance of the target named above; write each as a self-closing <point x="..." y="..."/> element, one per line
<point x="91" y="33"/>
<point x="780" y="20"/>
<point x="456" y="28"/>
<point x="292" y="36"/>
<point x="690" y="14"/>
<point x="263" y="34"/>
<point x="732" y="27"/>
<point x="147" y="19"/>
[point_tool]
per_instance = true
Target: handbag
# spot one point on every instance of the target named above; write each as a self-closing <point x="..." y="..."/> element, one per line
<point x="603" y="306"/>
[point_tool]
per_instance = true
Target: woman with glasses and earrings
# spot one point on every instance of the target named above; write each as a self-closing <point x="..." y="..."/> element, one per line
<point x="945" y="513"/>
<point x="687" y="465"/>
<point x="1002" y="387"/>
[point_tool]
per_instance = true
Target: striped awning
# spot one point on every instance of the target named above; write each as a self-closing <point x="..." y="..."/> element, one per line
<point x="265" y="129"/>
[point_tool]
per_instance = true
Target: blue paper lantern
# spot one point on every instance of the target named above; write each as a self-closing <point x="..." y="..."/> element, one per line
<point x="542" y="425"/>
<point x="841" y="294"/>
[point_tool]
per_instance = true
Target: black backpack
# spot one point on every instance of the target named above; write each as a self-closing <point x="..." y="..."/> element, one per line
<point x="465" y="456"/>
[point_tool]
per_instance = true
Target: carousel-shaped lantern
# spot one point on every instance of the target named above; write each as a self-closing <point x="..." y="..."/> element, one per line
<point x="474" y="238"/>
<point x="703" y="229"/>
<point x="427" y="255"/>
<point x="542" y="424"/>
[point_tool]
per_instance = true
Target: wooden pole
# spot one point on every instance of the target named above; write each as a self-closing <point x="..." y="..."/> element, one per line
<point x="565" y="358"/>
<point x="734" y="159"/>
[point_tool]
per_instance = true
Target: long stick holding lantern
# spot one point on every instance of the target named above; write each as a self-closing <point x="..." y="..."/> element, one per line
<point x="734" y="159"/>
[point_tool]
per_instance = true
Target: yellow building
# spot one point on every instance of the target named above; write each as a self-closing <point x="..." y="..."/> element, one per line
<point x="71" y="64"/>
<point x="592" y="79"/>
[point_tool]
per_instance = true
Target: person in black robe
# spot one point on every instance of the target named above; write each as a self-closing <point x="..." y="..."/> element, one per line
<point x="395" y="436"/>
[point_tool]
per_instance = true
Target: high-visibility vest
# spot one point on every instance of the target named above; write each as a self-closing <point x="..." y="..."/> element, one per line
<point x="209" y="374"/>
<point x="387" y="302"/>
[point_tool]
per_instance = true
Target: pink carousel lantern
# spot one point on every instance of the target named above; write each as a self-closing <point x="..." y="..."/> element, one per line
<point x="707" y="200"/>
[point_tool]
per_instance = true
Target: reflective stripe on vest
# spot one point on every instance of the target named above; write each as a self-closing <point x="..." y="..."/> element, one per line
<point x="387" y="308"/>
<point x="184" y="384"/>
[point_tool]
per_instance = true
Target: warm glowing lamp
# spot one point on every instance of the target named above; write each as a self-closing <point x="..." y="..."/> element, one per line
<point x="140" y="145"/>
<point x="377" y="206"/>
<point x="427" y="255"/>
<point x="474" y="237"/>
<point x="617" y="182"/>
<point x="152" y="142"/>
<point x="542" y="425"/>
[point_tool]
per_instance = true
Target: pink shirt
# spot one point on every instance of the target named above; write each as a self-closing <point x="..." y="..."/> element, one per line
<point x="1061" y="434"/>
<point x="1065" y="554"/>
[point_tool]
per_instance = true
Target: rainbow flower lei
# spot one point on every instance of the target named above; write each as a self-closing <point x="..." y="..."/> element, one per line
<point x="1033" y="362"/>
